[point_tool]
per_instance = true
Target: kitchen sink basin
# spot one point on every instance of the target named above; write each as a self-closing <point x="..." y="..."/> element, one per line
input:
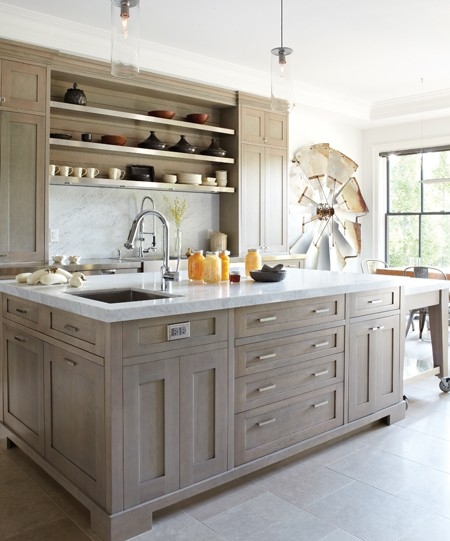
<point x="115" y="296"/>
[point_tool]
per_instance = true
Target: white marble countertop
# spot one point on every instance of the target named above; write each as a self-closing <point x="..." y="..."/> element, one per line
<point x="197" y="297"/>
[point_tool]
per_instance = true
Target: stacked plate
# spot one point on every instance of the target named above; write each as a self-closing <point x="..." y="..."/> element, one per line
<point x="189" y="178"/>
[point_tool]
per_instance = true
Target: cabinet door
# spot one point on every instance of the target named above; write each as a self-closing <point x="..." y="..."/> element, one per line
<point x="23" y="357"/>
<point x="74" y="419"/>
<point x="275" y="130"/>
<point x="374" y="360"/>
<point x="23" y="86"/>
<point x="275" y="207"/>
<point x="22" y="187"/>
<point x="203" y="416"/>
<point x="252" y="125"/>
<point x="151" y="421"/>
<point x="252" y="197"/>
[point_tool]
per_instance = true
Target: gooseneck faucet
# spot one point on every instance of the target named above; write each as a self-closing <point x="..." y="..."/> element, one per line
<point x="166" y="273"/>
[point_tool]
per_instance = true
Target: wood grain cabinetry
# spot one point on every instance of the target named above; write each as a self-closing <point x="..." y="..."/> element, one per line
<point x="256" y="216"/>
<point x="23" y="102"/>
<point x="374" y="352"/>
<point x="289" y="383"/>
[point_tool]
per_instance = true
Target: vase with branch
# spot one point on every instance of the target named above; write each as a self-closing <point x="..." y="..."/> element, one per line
<point x="177" y="211"/>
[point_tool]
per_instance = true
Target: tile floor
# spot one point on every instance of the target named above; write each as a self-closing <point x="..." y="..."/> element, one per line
<point x="385" y="483"/>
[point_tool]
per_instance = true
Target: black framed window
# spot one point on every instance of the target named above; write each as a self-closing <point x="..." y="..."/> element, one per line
<point x="417" y="221"/>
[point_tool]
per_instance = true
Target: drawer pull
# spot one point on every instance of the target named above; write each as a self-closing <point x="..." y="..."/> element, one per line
<point x="21" y="310"/>
<point x="268" y="422"/>
<point x="323" y="373"/>
<point x="376" y="301"/>
<point x="268" y="356"/>
<point x="265" y="319"/>
<point x="322" y="344"/>
<point x="379" y="328"/>
<point x="20" y="339"/>
<point x="320" y="404"/>
<point x="321" y="310"/>
<point x="71" y="328"/>
<point x="69" y="362"/>
<point x="267" y="388"/>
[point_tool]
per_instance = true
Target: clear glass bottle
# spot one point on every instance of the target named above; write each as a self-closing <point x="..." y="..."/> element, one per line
<point x="195" y="265"/>
<point x="225" y="260"/>
<point x="252" y="261"/>
<point x="212" y="268"/>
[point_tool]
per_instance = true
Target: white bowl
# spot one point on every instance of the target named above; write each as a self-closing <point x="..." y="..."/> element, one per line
<point x="189" y="178"/>
<point x="209" y="181"/>
<point x="171" y="179"/>
<point x="74" y="258"/>
<point x="58" y="258"/>
<point x="221" y="182"/>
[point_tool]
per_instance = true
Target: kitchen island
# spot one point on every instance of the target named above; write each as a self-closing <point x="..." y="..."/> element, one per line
<point x="135" y="406"/>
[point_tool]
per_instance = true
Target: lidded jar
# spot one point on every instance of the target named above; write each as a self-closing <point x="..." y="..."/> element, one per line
<point x="212" y="268"/>
<point x="252" y="261"/>
<point x="225" y="260"/>
<point x="218" y="242"/>
<point x="195" y="265"/>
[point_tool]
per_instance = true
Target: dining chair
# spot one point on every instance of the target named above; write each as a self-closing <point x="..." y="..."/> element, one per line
<point x="370" y="266"/>
<point x="422" y="272"/>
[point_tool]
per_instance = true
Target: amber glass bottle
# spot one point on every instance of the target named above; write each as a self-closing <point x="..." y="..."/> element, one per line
<point x="195" y="266"/>
<point x="225" y="259"/>
<point x="252" y="261"/>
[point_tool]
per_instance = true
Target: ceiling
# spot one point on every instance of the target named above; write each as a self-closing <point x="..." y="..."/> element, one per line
<point x="368" y="51"/>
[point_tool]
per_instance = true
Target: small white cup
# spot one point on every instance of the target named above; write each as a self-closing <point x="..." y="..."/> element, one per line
<point x="74" y="258"/>
<point x="58" y="258"/>
<point x="221" y="175"/>
<point x="92" y="172"/>
<point x="79" y="171"/>
<point x="53" y="169"/>
<point x="65" y="170"/>
<point x="221" y="182"/>
<point x="116" y="174"/>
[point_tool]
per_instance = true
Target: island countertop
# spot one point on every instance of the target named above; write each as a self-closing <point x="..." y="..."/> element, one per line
<point x="198" y="297"/>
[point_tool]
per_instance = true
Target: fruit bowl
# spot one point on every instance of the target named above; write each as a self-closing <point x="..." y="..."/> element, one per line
<point x="268" y="276"/>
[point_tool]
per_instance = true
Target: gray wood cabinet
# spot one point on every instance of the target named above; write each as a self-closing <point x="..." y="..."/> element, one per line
<point x="23" y="91"/>
<point x="175" y="423"/>
<point x="256" y="216"/>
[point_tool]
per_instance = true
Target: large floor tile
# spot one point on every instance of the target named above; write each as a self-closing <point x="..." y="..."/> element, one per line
<point x="432" y="528"/>
<point x="368" y="513"/>
<point x="60" y="530"/>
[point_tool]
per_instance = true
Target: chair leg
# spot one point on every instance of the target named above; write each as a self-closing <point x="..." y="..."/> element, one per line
<point x="422" y="318"/>
<point x="410" y="321"/>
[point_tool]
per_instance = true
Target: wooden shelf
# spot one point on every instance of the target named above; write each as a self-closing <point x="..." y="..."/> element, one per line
<point x="133" y="151"/>
<point x="135" y="185"/>
<point x="76" y="110"/>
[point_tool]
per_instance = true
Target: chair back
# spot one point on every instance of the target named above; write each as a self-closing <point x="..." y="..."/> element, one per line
<point x="370" y="266"/>
<point x="426" y="272"/>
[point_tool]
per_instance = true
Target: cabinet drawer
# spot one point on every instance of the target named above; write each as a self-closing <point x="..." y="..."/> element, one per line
<point x="79" y="331"/>
<point x="146" y="336"/>
<point x="264" y="430"/>
<point x="275" y="353"/>
<point x="21" y="311"/>
<point x="280" y="316"/>
<point x="372" y="302"/>
<point x="273" y="385"/>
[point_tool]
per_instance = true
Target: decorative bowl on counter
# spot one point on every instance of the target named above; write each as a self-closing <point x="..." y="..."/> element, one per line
<point x="268" y="276"/>
<point x="183" y="146"/>
<point x="189" y="178"/>
<point x="114" y="139"/>
<point x="162" y="114"/>
<point x="153" y="143"/>
<point x="197" y="118"/>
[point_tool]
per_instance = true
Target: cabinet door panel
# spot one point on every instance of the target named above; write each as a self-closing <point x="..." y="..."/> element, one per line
<point x="275" y="201"/>
<point x="151" y="421"/>
<point x="276" y="132"/>
<point x="23" y="386"/>
<point x="203" y="416"/>
<point x="252" y="125"/>
<point x="22" y="186"/>
<point x="252" y="164"/>
<point x="74" y="419"/>
<point x="24" y="86"/>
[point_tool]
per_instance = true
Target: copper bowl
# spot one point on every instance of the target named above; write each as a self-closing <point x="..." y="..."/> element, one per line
<point x="162" y="114"/>
<point x="114" y="139"/>
<point x="198" y="118"/>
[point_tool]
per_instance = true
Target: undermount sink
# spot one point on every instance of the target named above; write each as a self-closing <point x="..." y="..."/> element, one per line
<point x="115" y="296"/>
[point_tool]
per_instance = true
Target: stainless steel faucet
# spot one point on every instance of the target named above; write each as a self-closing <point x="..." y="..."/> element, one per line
<point x="142" y="233"/>
<point x="166" y="273"/>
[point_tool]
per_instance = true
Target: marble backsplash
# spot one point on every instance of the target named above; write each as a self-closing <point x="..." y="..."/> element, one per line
<point x="94" y="222"/>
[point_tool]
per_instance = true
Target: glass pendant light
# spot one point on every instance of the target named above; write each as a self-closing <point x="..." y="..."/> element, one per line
<point x="125" y="33"/>
<point x="281" y="82"/>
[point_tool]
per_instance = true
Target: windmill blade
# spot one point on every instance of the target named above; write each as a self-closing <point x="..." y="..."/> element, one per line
<point x="313" y="159"/>
<point x="337" y="260"/>
<point x="352" y="235"/>
<point x="340" y="167"/>
<point x="351" y="199"/>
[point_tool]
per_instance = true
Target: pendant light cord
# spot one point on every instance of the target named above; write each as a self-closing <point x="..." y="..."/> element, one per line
<point x="281" y="24"/>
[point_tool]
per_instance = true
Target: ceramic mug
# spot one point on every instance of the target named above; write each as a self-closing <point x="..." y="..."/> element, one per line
<point x="116" y="174"/>
<point x="79" y="171"/>
<point x="65" y="170"/>
<point x="92" y="172"/>
<point x="53" y="169"/>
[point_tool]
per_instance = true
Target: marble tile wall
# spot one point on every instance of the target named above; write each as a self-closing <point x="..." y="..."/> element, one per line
<point x="94" y="222"/>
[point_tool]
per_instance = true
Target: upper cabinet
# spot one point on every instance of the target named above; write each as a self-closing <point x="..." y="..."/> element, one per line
<point x="23" y="86"/>
<point x="263" y="127"/>
<point x="23" y="165"/>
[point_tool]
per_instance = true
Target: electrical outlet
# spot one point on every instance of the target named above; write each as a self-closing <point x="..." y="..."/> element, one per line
<point x="54" y="235"/>
<point x="178" y="330"/>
